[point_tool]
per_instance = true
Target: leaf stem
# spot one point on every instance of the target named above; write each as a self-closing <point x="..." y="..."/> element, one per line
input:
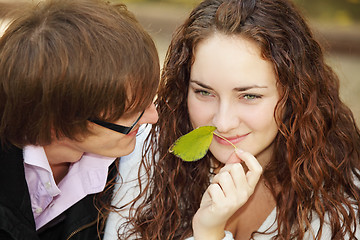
<point x="225" y="139"/>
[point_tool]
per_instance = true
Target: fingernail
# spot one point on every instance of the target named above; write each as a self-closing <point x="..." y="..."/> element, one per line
<point x="238" y="150"/>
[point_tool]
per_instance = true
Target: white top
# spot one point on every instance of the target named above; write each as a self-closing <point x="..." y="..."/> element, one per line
<point x="129" y="171"/>
<point x="127" y="187"/>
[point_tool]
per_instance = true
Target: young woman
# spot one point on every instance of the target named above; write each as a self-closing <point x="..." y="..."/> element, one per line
<point x="252" y="69"/>
<point x="78" y="78"/>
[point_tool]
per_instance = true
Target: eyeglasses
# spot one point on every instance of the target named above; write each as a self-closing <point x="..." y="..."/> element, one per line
<point x="116" y="127"/>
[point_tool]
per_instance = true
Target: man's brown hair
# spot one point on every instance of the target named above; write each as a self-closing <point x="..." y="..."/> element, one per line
<point x="63" y="62"/>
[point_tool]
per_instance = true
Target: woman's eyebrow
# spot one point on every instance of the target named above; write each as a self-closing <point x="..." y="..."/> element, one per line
<point x="238" y="89"/>
<point x="201" y="84"/>
<point x="243" y="89"/>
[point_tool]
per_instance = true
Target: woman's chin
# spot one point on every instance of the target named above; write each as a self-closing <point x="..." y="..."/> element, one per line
<point x="222" y="155"/>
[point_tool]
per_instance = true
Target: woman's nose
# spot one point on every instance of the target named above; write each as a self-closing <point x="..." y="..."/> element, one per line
<point x="225" y="119"/>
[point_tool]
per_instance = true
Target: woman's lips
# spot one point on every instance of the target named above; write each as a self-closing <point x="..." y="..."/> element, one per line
<point x="233" y="140"/>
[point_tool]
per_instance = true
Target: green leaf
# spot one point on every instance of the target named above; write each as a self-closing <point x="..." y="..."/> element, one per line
<point x="194" y="145"/>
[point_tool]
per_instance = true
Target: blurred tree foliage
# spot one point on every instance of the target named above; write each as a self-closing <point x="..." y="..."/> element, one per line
<point x="181" y="2"/>
<point x="344" y="12"/>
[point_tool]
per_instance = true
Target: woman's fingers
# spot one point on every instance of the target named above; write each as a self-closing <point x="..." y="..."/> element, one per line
<point x="226" y="182"/>
<point x="215" y="193"/>
<point x="255" y="169"/>
<point x="235" y="179"/>
<point x="234" y="158"/>
<point x="230" y="190"/>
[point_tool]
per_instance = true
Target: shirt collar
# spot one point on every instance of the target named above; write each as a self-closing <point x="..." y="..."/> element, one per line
<point x="88" y="163"/>
<point x="35" y="156"/>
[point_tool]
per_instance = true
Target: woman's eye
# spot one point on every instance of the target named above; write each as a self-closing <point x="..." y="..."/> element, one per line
<point x="203" y="93"/>
<point x="251" y="96"/>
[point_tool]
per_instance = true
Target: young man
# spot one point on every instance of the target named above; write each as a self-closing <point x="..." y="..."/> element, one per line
<point x="78" y="78"/>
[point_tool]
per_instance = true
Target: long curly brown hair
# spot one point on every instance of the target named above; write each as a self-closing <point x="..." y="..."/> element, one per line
<point x="316" y="152"/>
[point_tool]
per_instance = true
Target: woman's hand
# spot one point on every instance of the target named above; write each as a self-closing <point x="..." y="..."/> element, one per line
<point x="229" y="190"/>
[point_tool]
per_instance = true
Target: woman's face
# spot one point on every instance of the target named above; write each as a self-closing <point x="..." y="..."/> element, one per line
<point x="234" y="89"/>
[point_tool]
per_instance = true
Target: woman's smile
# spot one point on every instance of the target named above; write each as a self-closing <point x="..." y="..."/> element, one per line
<point x="233" y="140"/>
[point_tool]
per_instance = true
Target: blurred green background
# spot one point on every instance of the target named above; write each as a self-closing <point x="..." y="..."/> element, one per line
<point x="344" y="12"/>
<point x="335" y="23"/>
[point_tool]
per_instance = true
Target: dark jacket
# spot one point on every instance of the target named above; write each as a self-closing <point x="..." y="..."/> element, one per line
<point x="16" y="217"/>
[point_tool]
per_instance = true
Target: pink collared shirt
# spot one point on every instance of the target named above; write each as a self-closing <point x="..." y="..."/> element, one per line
<point x="49" y="200"/>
